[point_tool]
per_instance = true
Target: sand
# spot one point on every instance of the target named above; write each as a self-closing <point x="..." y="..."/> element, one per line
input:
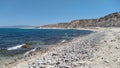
<point x="97" y="50"/>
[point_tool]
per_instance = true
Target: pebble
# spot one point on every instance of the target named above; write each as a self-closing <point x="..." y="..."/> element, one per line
<point x="65" y="56"/>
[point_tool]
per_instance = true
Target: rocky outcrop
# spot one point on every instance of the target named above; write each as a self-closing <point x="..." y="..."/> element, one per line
<point x="111" y="20"/>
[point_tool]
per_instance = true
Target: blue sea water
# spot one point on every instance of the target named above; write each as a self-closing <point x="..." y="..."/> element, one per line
<point x="12" y="37"/>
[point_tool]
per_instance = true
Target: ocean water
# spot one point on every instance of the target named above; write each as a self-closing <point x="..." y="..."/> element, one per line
<point x="12" y="39"/>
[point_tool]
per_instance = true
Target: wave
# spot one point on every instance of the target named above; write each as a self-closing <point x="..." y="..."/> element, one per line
<point x="63" y="41"/>
<point x="30" y="51"/>
<point x="15" y="47"/>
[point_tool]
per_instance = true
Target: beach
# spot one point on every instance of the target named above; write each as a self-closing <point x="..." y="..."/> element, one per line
<point x="99" y="49"/>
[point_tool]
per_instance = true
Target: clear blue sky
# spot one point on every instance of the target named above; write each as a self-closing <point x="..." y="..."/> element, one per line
<point x="40" y="12"/>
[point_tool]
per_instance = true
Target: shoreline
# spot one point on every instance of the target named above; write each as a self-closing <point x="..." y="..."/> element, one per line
<point x="51" y="47"/>
<point x="37" y="51"/>
<point x="88" y="45"/>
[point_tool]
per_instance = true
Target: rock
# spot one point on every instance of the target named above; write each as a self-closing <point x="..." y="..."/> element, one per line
<point x="42" y="67"/>
<point x="116" y="48"/>
<point x="113" y="40"/>
<point x="105" y="41"/>
<point x="54" y="54"/>
<point x="26" y="46"/>
<point x="57" y="63"/>
<point x="66" y="61"/>
<point x="3" y="50"/>
<point x="63" y="67"/>
<point x="6" y="64"/>
<point x="44" y="63"/>
<point x="106" y="61"/>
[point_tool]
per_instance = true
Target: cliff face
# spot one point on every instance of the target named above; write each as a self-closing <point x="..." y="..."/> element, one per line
<point x="111" y="20"/>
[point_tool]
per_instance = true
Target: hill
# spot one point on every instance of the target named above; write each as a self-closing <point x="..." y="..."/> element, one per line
<point x="110" y="20"/>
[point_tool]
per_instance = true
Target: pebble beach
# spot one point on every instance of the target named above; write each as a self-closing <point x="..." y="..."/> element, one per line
<point x="99" y="49"/>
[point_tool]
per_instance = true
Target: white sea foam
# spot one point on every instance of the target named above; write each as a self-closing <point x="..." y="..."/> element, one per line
<point x="15" y="47"/>
<point x="30" y="51"/>
<point x="63" y="40"/>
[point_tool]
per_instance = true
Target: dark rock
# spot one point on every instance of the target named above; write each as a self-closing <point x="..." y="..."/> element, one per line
<point x="116" y="48"/>
<point x="106" y="61"/>
<point x="66" y="61"/>
<point x="63" y="67"/>
<point x="105" y="41"/>
<point x="54" y="54"/>
<point x="26" y="46"/>
<point x="6" y="64"/>
<point x="42" y="67"/>
<point x="113" y="40"/>
<point x="44" y="63"/>
<point x="57" y="63"/>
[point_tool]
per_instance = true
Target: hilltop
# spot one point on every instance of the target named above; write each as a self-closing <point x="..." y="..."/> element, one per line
<point x="110" y="20"/>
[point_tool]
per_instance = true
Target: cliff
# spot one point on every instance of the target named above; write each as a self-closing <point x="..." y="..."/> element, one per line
<point x="111" y="20"/>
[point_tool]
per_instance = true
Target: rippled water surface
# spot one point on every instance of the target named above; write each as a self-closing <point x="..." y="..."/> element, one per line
<point x="12" y="37"/>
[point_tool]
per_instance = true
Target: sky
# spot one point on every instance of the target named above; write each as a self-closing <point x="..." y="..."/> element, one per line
<point x="42" y="12"/>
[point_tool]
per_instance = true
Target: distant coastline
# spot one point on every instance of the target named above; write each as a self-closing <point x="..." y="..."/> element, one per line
<point x="110" y="20"/>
